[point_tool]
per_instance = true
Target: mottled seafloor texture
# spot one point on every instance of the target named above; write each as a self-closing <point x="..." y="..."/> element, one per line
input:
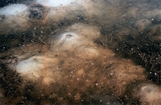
<point x="80" y="52"/>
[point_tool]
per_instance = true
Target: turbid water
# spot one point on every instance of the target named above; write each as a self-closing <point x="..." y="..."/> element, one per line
<point x="85" y="52"/>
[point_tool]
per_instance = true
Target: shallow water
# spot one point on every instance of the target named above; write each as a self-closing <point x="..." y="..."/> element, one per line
<point x="80" y="52"/>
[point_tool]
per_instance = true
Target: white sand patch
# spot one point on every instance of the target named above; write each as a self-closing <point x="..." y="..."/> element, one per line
<point x="13" y="9"/>
<point x="55" y="3"/>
